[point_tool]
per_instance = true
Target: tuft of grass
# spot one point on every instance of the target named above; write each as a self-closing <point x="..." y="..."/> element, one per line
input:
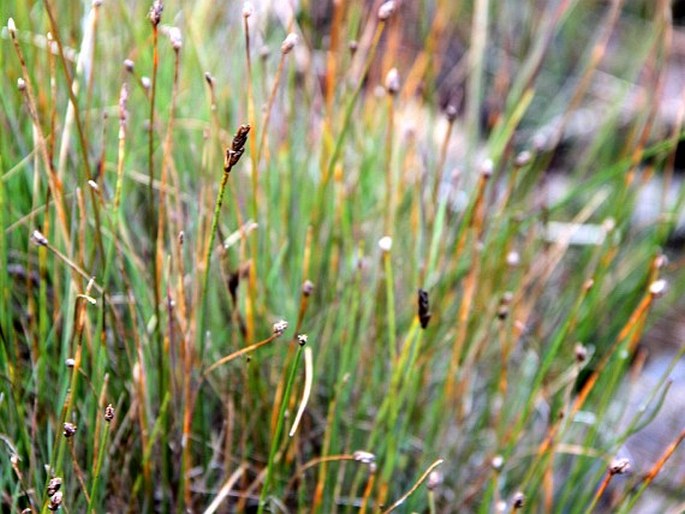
<point x="441" y="195"/>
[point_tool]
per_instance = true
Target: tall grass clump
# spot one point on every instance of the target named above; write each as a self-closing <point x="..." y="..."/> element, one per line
<point x="344" y="257"/>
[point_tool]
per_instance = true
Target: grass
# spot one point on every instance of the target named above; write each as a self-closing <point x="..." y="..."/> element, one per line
<point x="463" y="351"/>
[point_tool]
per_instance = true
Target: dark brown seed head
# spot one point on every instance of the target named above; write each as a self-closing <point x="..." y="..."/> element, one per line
<point x="235" y="152"/>
<point x="424" y="308"/>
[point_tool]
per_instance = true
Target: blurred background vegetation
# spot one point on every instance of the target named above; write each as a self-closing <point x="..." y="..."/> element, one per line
<point x="516" y="161"/>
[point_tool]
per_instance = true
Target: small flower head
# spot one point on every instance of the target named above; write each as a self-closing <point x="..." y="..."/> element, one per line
<point x="581" y="353"/>
<point x="279" y="327"/>
<point x="302" y="339"/>
<point x="55" y="501"/>
<point x="176" y="38"/>
<point x="11" y="27"/>
<point x="129" y="65"/>
<point x="289" y="43"/>
<point x="385" y="243"/>
<point x="69" y="430"/>
<point x="109" y="413"/>
<point x="307" y="288"/>
<point x="38" y="238"/>
<point x="658" y="288"/>
<point x="434" y="480"/>
<point x="619" y="467"/>
<point x="155" y="14"/>
<point x="451" y="113"/>
<point x="54" y="485"/>
<point x="235" y="152"/>
<point x="386" y="10"/>
<point x="392" y="82"/>
<point x="21" y="84"/>
<point x="364" y="457"/>
<point x="248" y="9"/>
<point x="518" y="500"/>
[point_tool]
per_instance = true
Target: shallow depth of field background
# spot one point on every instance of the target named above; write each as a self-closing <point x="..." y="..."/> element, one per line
<point x="442" y="272"/>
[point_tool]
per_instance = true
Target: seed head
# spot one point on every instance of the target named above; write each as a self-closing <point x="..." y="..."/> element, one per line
<point x="155" y="14"/>
<point x="21" y="84"/>
<point x="522" y="159"/>
<point x="497" y="462"/>
<point x="53" y="485"/>
<point x="248" y="9"/>
<point x="55" y="501"/>
<point x="70" y="363"/>
<point x="518" y="500"/>
<point x="424" y="308"/>
<point x="146" y="82"/>
<point x="11" y="27"/>
<point x="581" y="353"/>
<point x="289" y="43"/>
<point x="176" y="38"/>
<point x="619" y="467"/>
<point x="385" y="243"/>
<point x="434" y="480"/>
<point x="451" y="113"/>
<point x="129" y="65"/>
<point x="392" y="82"/>
<point x="302" y="339"/>
<point x="279" y="327"/>
<point x="658" y="288"/>
<point x="486" y="168"/>
<point x="364" y="457"/>
<point x="38" y="238"/>
<point x="513" y="258"/>
<point x="235" y="152"/>
<point x="69" y="430"/>
<point x="109" y="413"/>
<point x="353" y="46"/>
<point x="386" y="10"/>
<point x="307" y="288"/>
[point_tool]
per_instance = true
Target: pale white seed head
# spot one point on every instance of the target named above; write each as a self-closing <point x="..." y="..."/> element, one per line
<point x="487" y="167"/>
<point x="279" y="327"/>
<point x="513" y="258"/>
<point x="385" y="243"/>
<point x="620" y="466"/>
<point x="176" y="38"/>
<point x="11" y="27"/>
<point x="289" y="42"/>
<point x="364" y="457"/>
<point x="392" y="81"/>
<point x="248" y="9"/>
<point x="658" y="288"/>
<point x="386" y="10"/>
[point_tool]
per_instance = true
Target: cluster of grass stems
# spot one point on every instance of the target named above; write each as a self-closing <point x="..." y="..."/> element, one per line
<point x="146" y="267"/>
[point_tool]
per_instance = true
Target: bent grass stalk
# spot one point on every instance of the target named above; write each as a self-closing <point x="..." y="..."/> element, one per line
<point x="276" y="437"/>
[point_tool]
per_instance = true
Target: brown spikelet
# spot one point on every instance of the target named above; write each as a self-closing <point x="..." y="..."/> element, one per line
<point x="235" y="152"/>
<point x="424" y="308"/>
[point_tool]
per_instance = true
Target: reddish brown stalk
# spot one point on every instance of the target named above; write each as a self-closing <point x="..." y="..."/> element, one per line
<point x="470" y="285"/>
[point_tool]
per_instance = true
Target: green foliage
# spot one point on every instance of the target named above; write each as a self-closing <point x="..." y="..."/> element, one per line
<point x="163" y="271"/>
